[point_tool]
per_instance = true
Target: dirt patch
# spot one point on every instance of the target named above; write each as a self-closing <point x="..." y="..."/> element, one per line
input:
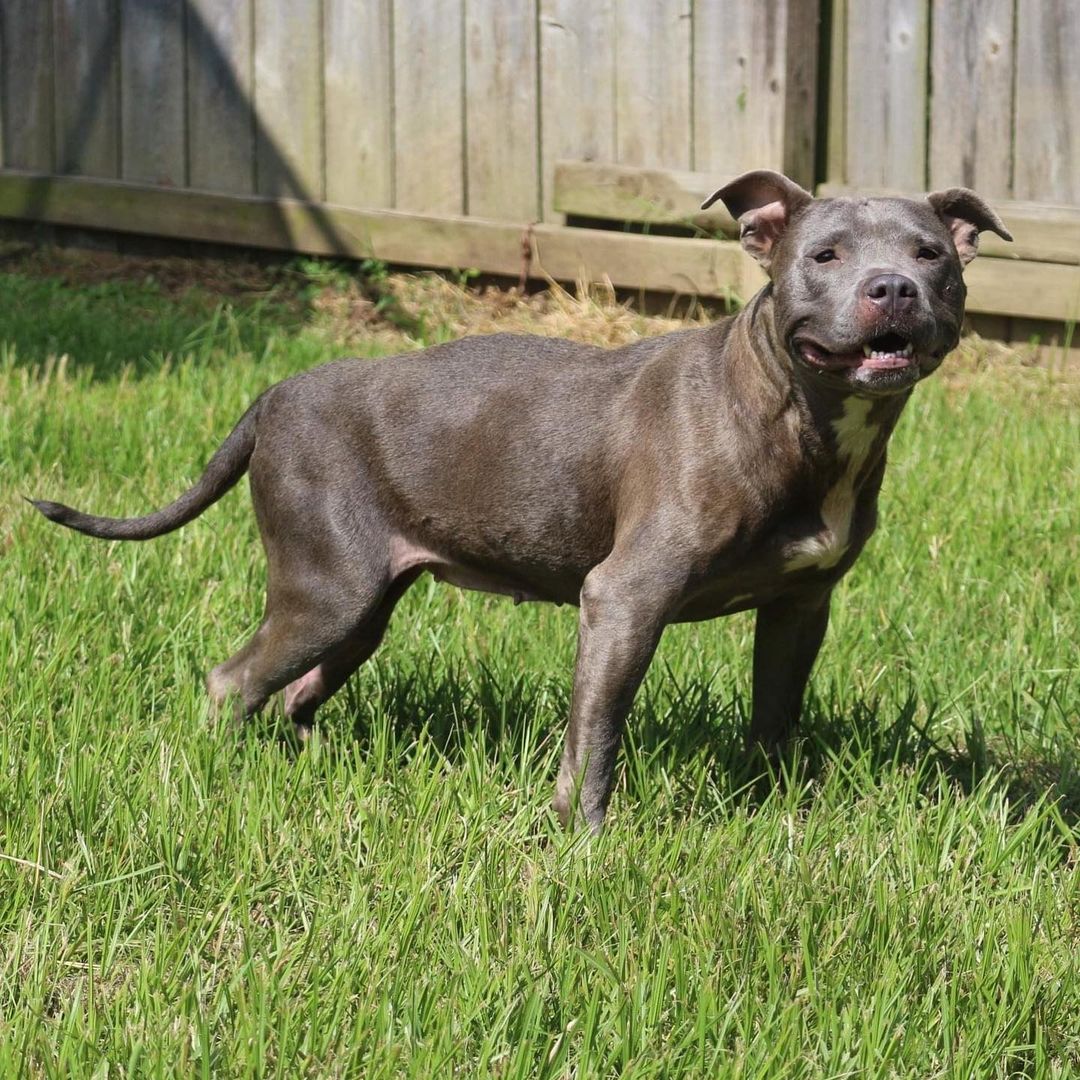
<point x="175" y="276"/>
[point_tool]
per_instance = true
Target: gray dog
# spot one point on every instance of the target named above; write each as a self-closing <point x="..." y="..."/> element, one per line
<point x="684" y="477"/>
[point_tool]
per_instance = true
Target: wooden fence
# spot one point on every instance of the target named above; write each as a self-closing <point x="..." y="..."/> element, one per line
<point x="468" y="132"/>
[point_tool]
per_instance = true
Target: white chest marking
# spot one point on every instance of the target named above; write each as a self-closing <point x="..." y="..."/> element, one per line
<point x="855" y="438"/>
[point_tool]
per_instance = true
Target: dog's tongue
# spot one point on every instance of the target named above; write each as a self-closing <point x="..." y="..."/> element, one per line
<point x="882" y="360"/>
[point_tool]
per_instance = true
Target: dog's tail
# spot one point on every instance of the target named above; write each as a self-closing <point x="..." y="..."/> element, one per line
<point x="223" y="470"/>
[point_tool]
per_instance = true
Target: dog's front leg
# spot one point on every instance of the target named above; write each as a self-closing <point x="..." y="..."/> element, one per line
<point x="787" y="638"/>
<point x="623" y="613"/>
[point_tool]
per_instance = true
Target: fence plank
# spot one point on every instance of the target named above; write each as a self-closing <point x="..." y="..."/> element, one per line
<point x="428" y="112"/>
<point x="836" y="102"/>
<point x="359" y="107"/>
<point x="577" y="80"/>
<point x="87" y="113"/>
<point x="666" y="197"/>
<point x="501" y="109"/>
<point x="672" y="264"/>
<point x="630" y="193"/>
<point x="153" y="138"/>
<point x="665" y="263"/>
<point x="221" y="131"/>
<point x="26" y="84"/>
<point x="755" y="67"/>
<point x="886" y="93"/>
<point x="971" y="98"/>
<point x="288" y="99"/>
<point x="1047" y="146"/>
<point x="652" y="83"/>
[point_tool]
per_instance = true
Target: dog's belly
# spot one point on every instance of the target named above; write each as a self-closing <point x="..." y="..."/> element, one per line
<point x="520" y="584"/>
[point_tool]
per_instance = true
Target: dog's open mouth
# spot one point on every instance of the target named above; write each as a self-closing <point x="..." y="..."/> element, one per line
<point x="883" y="353"/>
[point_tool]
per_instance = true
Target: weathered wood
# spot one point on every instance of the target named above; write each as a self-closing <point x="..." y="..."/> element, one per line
<point x="713" y="268"/>
<point x="1032" y="289"/>
<point x="26" y="84"/>
<point x="86" y="34"/>
<point x="1047" y="147"/>
<point x="649" y="196"/>
<point x="220" y="73"/>
<point x="801" y="97"/>
<point x="288" y="99"/>
<point x="671" y="197"/>
<point x="153" y="137"/>
<point x="755" y="69"/>
<point x="577" y="78"/>
<point x="886" y="93"/>
<point x="428" y="107"/>
<point x="667" y="264"/>
<point x="652" y="83"/>
<point x="1040" y="232"/>
<point x="501" y="109"/>
<point x="836" y="102"/>
<point x="358" y="79"/>
<point x="971" y="70"/>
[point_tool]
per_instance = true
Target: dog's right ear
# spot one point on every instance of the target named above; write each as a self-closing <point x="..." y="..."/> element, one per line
<point x="763" y="203"/>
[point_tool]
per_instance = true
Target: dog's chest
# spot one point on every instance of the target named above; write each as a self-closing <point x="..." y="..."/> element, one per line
<point x="823" y="548"/>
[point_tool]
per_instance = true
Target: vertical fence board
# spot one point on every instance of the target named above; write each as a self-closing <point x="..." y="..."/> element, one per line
<point x="836" y="134"/>
<point x="754" y="68"/>
<point x="652" y="83"/>
<point x="87" y="112"/>
<point x="971" y="70"/>
<point x="288" y="99"/>
<point x="501" y="109"/>
<point x="359" y="110"/>
<point x="429" y="134"/>
<point x="802" y="55"/>
<point x="220" y="59"/>
<point x="26" y="85"/>
<point x="886" y="94"/>
<point x="577" y="86"/>
<point x="153" y="139"/>
<point x="1047" y="146"/>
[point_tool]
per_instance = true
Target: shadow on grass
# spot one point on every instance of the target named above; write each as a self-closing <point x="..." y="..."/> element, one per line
<point x="682" y="732"/>
<point x="106" y="327"/>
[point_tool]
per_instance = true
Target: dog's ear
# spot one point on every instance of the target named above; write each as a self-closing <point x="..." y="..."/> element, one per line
<point x="763" y="203"/>
<point x="966" y="215"/>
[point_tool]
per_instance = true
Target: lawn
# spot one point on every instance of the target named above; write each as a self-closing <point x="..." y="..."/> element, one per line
<point x="397" y="900"/>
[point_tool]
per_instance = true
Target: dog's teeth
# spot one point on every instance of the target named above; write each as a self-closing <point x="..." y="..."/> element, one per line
<point x="866" y="350"/>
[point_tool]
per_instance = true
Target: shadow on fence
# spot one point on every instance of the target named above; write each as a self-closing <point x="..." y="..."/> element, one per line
<point x="271" y="169"/>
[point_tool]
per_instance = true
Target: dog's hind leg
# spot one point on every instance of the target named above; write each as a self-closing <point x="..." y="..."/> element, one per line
<point x="287" y="644"/>
<point x="303" y="696"/>
<point x="323" y="593"/>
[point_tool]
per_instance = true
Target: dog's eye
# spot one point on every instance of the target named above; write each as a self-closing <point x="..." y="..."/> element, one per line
<point x="928" y="253"/>
<point x="825" y="256"/>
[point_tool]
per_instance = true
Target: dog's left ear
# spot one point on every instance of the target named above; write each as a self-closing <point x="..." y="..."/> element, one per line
<point x="763" y="203"/>
<point x="966" y="215"/>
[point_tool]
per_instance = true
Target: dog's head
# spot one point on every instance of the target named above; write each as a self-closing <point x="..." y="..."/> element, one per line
<point x="868" y="293"/>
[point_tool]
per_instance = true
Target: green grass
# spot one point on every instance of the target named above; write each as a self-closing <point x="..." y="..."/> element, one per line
<point x="397" y="901"/>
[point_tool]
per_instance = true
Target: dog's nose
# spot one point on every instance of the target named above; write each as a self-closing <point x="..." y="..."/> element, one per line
<point x="891" y="292"/>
